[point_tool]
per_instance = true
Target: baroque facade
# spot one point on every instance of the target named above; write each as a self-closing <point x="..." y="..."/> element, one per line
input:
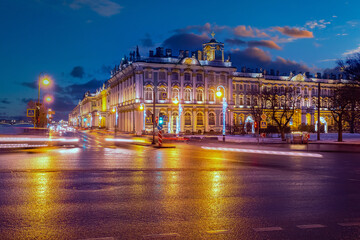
<point x="125" y="101"/>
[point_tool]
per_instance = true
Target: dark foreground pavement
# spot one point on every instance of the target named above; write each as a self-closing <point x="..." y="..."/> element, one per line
<point x="137" y="192"/>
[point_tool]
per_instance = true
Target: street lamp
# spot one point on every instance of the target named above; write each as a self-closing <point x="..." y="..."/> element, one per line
<point x="219" y="94"/>
<point x="44" y="82"/>
<point x="113" y="110"/>
<point x="178" y="119"/>
<point x="142" y="108"/>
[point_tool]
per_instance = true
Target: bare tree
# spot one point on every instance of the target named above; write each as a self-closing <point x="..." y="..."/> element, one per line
<point x="352" y="115"/>
<point x="340" y="102"/>
<point x="41" y="112"/>
<point x="280" y="104"/>
<point x="351" y="66"/>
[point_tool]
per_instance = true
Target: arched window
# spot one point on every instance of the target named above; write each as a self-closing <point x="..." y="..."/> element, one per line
<point x="175" y="93"/>
<point x="187" y="117"/>
<point x="148" y="93"/>
<point x="241" y="100"/>
<point x="221" y="119"/>
<point x="211" y="95"/>
<point x="187" y="77"/>
<point x="255" y="101"/>
<point x="248" y="101"/>
<point x="174" y="76"/>
<point x="187" y="94"/>
<point x="199" y="95"/>
<point x="199" y="77"/>
<point x="211" y="118"/>
<point x="200" y="119"/>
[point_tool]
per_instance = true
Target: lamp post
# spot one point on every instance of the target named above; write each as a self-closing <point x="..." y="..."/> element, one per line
<point x="178" y="119"/>
<point x="114" y="110"/>
<point x="142" y="108"/>
<point x="45" y="82"/>
<point x="219" y="94"/>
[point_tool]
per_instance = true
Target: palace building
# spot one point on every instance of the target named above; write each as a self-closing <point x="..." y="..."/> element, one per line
<point x="125" y="101"/>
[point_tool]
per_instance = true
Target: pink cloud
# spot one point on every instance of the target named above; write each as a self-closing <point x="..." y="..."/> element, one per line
<point x="294" y="32"/>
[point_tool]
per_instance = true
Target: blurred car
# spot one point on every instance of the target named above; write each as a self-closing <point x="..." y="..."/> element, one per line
<point x="66" y="139"/>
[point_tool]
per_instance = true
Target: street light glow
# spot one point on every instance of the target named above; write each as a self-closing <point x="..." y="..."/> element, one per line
<point x="46" y="81"/>
<point x="141" y="107"/>
<point x="113" y="110"/>
<point x="48" y="99"/>
<point x="219" y="93"/>
<point x="175" y="101"/>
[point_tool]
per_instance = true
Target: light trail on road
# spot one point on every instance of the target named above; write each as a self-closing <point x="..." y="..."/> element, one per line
<point x="300" y="154"/>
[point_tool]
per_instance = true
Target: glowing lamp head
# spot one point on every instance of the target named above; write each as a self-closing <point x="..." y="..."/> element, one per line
<point x="218" y="93"/>
<point x="48" y="99"/>
<point x="141" y="107"/>
<point x="46" y="81"/>
<point x="176" y="101"/>
<point x="113" y="110"/>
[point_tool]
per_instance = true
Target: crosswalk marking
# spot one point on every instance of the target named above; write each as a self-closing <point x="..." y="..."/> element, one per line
<point x="349" y="224"/>
<point x="308" y="226"/>
<point x="268" y="229"/>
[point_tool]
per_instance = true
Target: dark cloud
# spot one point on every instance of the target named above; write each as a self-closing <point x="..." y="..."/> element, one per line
<point x="294" y="32"/>
<point x="185" y="41"/>
<point x="234" y="41"/>
<point x="4" y="101"/>
<point x="198" y="28"/>
<point x="53" y="86"/>
<point x="77" y="90"/>
<point x="78" y="72"/>
<point x="253" y="57"/>
<point x="32" y="85"/>
<point x="147" y="41"/>
<point x="26" y="100"/>
<point x="264" y="43"/>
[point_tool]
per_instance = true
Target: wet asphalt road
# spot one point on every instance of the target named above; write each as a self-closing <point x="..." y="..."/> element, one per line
<point x="138" y="192"/>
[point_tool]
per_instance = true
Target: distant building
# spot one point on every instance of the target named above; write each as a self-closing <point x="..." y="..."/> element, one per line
<point x="193" y="80"/>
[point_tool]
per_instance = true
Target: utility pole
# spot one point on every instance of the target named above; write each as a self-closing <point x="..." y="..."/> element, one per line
<point x="318" y="116"/>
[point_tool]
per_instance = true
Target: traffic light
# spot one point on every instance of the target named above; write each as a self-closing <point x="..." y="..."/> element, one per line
<point x="161" y="120"/>
<point x="256" y="124"/>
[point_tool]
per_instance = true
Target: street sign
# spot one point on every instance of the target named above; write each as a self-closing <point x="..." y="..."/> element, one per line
<point x="263" y="124"/>
<point x="159" y="127"/>
<point x="148" y="113"/>
<point x="148" y="120"/>
<point x="164" y="95"/>
<point x="165" y="118"/>
<point x="30" y="113"/>
<point x="263" y="117"/>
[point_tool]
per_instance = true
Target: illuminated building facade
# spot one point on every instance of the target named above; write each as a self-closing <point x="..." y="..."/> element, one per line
<point x="125" y="102"/>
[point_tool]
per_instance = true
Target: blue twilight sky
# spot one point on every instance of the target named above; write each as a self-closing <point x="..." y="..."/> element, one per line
<point x="78" y="42"/>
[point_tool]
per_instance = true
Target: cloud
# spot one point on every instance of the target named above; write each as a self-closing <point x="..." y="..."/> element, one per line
<point x="34" y="85"/>
<point x="329" y="60"/>
<point x="353" y="23"/>
<point x="26" y="100"/>
<point x="321" y="24"/>
<point x="254" y="57"/>
<point x="147" y="41"/>
<point x="234" y="41"/>
<point x="77" y="90"/>
<point x="342" y="34"/>
<point x="264" y="43"/>
<point x="106" y="8"/>
<point x="294" y="32"/>
<point x="353" y="51"/>
<point x="77" y="72"/>
<point x="4" y="101"/>
<point x="243" y="31"/>
<point x="198" y="28"/>
<point x="185" y="41"/>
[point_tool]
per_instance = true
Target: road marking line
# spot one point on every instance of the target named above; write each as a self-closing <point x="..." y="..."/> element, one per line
<point x="217" y="231"/>
<point x="349" y="224"/>
<point x="356" y="180"/>
<point x="161" y="235"/>
<point x="268" y="229"/>
<point x="308" y="226"/>
<point x="104" y="238"/>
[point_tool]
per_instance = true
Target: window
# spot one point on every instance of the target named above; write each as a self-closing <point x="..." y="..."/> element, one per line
<point x="212" y="95"/>
<point x="162" y="75"/>
<point x="222" y="78"/>
<point x="174" y="76"/>
<point x="241" y="101"/>
<point x="255" y="101"/>
<point x="187" y="94"/>
<point x="234" y="99"/>
<point x="148" y="93"/>
<point x="199" y="119"/>
<point x="148" y="75"/>
<point x="187" y="77"/>
<point x="248" y="101"/>
<point x="187" y="117"/>
<point x="221" y="119"/>
<point x="211" y="78"/>
<point x="175" y="93"/>
<point x="241" y="87"/>
<point x="174" y="118"/>
<point x="199" y="95"/>
<point x="199" y="77"/>
<point x="211" y="119"/>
